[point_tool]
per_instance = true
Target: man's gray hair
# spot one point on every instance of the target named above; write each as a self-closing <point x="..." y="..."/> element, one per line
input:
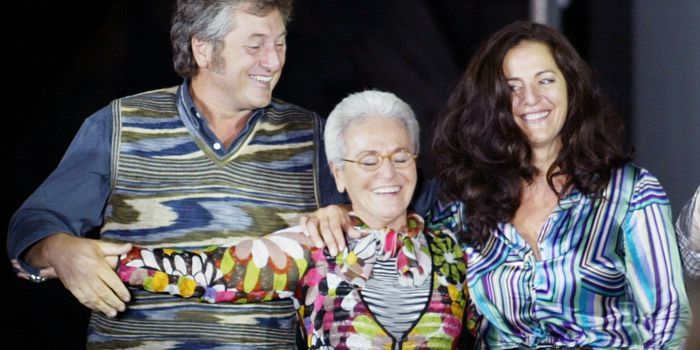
<point x="210" y="21"/>
<point x="366" y="104"/>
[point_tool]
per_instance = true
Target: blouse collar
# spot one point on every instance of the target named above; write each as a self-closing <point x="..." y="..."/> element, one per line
<point x="408" y="246"/>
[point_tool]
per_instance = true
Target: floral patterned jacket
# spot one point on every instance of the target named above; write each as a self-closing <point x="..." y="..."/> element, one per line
<point x="285" y="264"/>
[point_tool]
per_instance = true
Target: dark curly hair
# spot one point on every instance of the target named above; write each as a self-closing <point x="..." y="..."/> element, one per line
<point x="484" y="156"/>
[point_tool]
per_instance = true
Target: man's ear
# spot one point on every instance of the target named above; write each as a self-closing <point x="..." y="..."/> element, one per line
<point x="339" y="177"/>
<point x="201" y="50"/>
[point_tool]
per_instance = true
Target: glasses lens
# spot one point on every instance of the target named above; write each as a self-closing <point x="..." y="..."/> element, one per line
<point x="401" y="159"/>
<point x="370" y="161"/>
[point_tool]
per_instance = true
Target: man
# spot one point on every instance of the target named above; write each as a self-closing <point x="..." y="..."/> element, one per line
<point x="211" y="160"/>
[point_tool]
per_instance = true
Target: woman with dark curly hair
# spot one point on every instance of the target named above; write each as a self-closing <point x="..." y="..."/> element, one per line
<point x="568" y="244"/>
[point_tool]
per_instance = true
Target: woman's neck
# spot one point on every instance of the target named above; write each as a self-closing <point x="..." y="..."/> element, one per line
<point x="544" y="156"/>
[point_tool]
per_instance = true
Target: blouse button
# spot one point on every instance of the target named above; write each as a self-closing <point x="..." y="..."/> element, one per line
<point x="217" y="146"/>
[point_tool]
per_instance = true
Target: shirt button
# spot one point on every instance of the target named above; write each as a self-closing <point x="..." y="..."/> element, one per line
<point x="217" y="146"/>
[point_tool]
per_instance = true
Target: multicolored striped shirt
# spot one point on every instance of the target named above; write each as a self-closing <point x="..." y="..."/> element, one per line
<point x="609" y="275"/>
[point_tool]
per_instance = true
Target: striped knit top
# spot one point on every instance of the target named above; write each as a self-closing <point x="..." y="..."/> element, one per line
<point x="171" y="189"/>
<point x="609" y="275"/>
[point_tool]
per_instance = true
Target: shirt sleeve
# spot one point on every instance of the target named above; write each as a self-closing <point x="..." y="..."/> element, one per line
<point x="688" y="234"/>
<point x="253" y="270"/>
<point x="73" y="197"/>
<point x="653" y="267"/>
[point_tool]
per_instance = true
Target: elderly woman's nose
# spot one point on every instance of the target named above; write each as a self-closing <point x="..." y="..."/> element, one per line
<point x="386" y="168"/>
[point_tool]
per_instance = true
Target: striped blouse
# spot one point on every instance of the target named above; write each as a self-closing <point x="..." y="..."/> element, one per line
<point x="609" y="275"/>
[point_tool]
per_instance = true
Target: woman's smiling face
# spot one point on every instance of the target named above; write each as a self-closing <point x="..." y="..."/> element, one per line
<point x="539" y="99"/>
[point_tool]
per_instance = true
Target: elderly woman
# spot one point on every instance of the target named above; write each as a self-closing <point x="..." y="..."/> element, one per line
<point x="568" y="243"/>
<point x="398" y="286"/>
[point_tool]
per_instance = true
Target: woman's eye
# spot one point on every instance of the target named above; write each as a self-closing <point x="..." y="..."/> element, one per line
<point x="369" y="162"/>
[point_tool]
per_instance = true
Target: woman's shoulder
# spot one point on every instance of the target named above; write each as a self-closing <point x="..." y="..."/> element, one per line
<point x="634" y="172"/>
<point x="640" y="184"/>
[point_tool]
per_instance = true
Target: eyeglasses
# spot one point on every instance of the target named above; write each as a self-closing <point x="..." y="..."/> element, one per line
<point x="373" y="160"/>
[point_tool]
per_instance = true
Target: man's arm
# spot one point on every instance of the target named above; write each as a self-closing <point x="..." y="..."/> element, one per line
<point x="47" y="230"/>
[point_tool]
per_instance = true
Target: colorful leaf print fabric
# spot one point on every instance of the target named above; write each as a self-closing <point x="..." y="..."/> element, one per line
<point x="285" y="264"/>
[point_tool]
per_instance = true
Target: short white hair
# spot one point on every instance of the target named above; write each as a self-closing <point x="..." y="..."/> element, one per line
<point x="366" y="104"/>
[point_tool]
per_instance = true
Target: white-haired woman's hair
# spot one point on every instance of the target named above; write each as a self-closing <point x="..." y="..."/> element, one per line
<point x="366" y="104"/>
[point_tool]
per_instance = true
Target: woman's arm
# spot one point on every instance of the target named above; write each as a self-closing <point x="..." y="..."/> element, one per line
<point x="654" y="273"/>
<point x="253" y="270"/>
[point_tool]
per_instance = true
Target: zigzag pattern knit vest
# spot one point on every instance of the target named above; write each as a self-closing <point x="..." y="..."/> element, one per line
<point x="170" y="190"/>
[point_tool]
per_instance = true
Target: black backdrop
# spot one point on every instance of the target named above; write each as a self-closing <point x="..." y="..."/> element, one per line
<point x="69" y="59"/>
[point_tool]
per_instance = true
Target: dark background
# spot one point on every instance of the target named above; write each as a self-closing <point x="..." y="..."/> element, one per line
<point x="69" y="59"/>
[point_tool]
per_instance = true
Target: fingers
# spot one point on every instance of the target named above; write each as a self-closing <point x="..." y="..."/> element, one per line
<point x="309" y="226"/>
<point x="48" y="272"/>
<point x="96" y="297"/>
<point x="111" y="252"/>
<point x="81" y="266"/>
<point x="114" y="249"/>
<point x="19" y="270"/>
<point x="112" y="261"/>
<point x="117" y="287"/>
<point x="104" y="293"/>
<point x="327" y="228"/>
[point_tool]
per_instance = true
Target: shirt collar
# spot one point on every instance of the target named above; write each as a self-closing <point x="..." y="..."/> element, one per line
<point x="195" y="121"/>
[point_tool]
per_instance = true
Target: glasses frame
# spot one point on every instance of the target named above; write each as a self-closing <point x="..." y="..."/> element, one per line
<point x="382" y="157"/>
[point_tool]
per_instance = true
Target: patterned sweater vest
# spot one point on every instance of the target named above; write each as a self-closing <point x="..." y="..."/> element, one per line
<point x="171" y="190"/>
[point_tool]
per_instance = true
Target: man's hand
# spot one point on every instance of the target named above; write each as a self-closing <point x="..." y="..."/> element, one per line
<point x="327" y="227"/>
<point x="81" y="265"/>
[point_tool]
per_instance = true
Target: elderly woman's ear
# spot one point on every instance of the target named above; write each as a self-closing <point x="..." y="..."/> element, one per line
<point x="338" y="175"/>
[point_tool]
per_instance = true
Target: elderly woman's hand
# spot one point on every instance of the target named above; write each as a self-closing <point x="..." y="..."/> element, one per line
<point x="328" y="226"/>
